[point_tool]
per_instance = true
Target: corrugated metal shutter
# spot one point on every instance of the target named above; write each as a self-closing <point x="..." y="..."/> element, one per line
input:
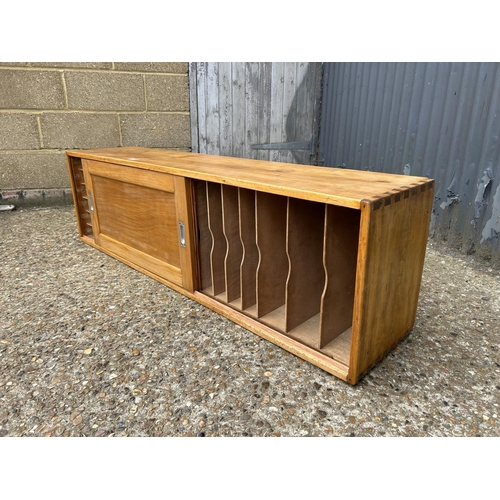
<point x="440" y="120"/>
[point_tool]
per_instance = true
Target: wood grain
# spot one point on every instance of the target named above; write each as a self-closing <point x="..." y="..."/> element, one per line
<point x="393" y="239"/>
<point x="328" y="185"/>
<point x="144" y="260"/>
<point x="135" y="176"/>
<point x="140" y="217"/>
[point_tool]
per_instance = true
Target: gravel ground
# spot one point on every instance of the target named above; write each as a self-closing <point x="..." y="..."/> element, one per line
<point x="91" y="347"/>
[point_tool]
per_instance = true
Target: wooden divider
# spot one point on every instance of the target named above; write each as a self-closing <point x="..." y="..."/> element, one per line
<point x="339" y="257"/>
<point x="287" y="261"/>
<point x="204" y="235"/>
<point x="250" y="250"/>
<point x="305" y="232"/>
<point x="219" y="245"/>
<point x="234" y="252"/>
<point x="272" y="271"/>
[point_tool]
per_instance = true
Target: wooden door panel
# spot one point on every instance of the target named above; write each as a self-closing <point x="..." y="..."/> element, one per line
<point x="136" y="217"/>
<point x="140" y="217"/>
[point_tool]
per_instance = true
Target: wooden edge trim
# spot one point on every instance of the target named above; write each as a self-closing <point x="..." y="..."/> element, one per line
<point x="183" y="204"/>
<point x="302" y="351"/>
<point x="359" y="292"/>
<point x="220" y="179"/>
<point x="90" y="241"/>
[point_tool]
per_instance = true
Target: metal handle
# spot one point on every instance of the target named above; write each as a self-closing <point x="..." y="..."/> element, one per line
<point x="91" y="203"/>
<point x="182" y="234"/>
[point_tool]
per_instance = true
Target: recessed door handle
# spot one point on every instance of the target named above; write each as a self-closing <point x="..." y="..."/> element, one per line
<point x="182" y="234"/>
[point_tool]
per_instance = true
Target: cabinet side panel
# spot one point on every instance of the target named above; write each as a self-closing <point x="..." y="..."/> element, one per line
<point x="392" y="250"/>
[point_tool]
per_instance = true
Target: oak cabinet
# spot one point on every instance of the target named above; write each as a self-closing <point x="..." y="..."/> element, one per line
<point x="323" y="262"/>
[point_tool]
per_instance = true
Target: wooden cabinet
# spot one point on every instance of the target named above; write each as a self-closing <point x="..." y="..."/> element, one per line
<point x="323" y="262"/>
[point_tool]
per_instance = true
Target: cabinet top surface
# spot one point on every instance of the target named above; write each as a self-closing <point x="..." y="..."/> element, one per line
<point x="328" y="185"/>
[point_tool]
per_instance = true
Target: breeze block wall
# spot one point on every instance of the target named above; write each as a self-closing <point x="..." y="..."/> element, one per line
<point x="47" y="108"/>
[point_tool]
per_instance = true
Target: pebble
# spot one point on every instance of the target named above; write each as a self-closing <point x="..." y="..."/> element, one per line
<point x="155" y="363"/>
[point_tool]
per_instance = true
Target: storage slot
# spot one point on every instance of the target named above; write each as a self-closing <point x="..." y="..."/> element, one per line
<point x="219" y="245"/>
<point x="234" y="251"/>
<point x="204" y="235"/>
<point x="340" y="258"/>
<point x="340" y="347"/>
<point x="250" y="250"/>
<point x="81" y="199"/>
<point x="306" y="279"/>
<point x="289" y="263"/>
<point x="272" y="270"/>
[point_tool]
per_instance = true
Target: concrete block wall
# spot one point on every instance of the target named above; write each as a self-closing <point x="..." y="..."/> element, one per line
<point x="47" y="108"/>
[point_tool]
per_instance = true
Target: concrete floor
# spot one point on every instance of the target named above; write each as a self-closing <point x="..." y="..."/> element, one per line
<point x="91" y="347"/>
